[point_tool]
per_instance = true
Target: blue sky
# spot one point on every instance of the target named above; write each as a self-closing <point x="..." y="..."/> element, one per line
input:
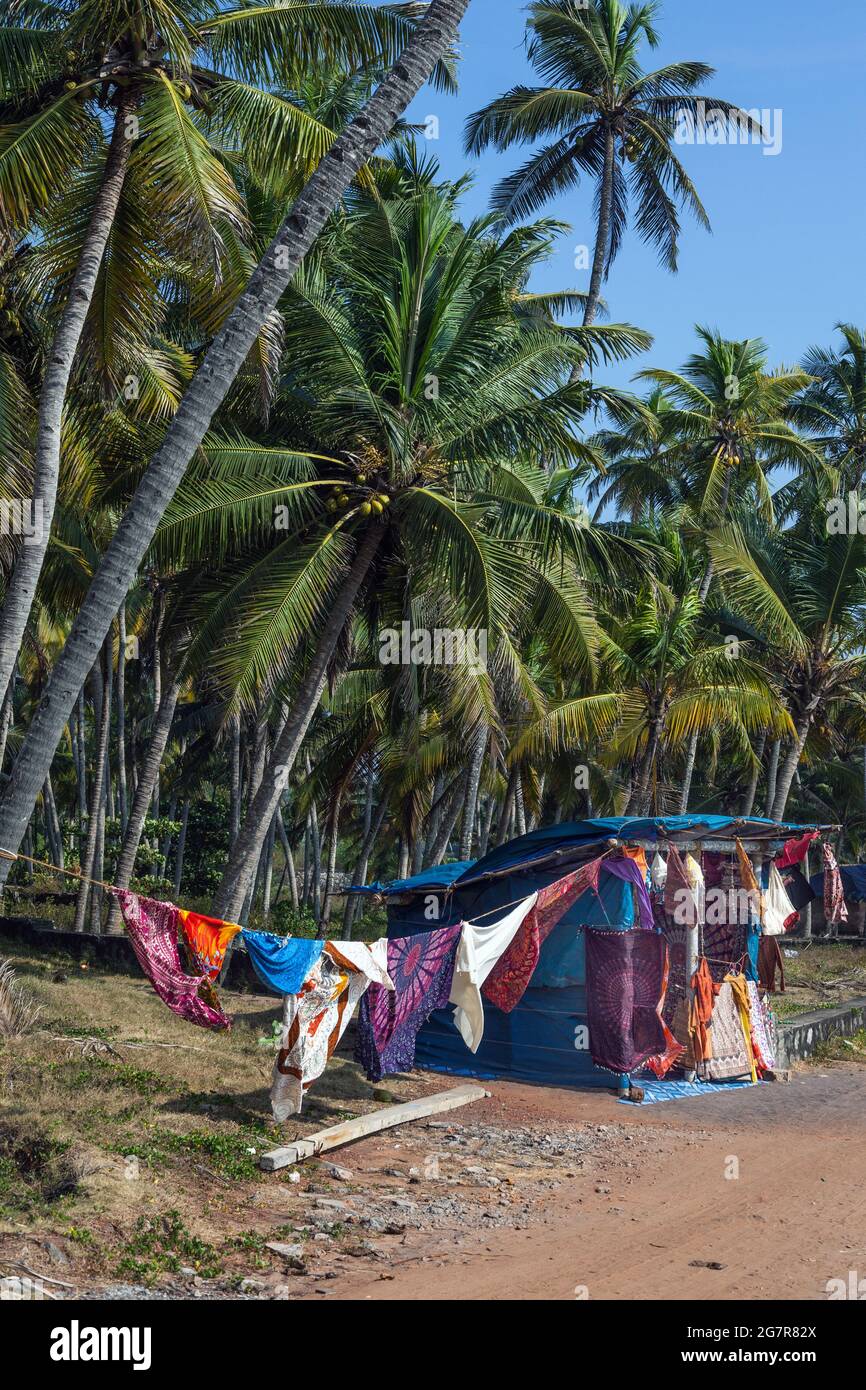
<point x="785" y="258"/>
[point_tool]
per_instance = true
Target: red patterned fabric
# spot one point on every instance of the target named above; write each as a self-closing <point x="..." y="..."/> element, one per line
<point x="153" y="929"/>
<point x="795" y="851"/>
<point x="663" y="1061"/>
<point x="509" y="979"/>
<point x="835" y="907"/>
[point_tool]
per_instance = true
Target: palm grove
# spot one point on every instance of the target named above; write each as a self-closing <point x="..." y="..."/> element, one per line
<point x="266" y="395"/>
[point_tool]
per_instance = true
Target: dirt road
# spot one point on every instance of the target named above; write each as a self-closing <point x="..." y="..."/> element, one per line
<point x="768" y="1183"/>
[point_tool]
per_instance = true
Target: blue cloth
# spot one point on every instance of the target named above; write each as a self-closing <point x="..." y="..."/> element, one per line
<point x="657" y="1091"/>
<point x="282" y="963"/>
<point x="627" y="869"/>
<point x="853" y="882"/>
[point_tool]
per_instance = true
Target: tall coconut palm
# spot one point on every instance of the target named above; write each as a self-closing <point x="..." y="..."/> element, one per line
<point x="804" y="588"/>
<point x="412" y="365"/>
<point x="664" y="675"/>
<point x="430" y="42"/>
<point x="603" y="112"/>
<point x="832" y="407"/>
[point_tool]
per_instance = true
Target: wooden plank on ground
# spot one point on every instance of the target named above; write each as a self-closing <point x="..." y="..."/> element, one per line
<point x="350" y="1130"/>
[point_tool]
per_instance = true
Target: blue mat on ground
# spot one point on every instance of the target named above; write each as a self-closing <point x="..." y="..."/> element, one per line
<point x="657" y="1091"/>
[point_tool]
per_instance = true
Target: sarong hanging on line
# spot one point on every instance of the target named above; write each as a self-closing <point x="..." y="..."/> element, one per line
<point x="624" y="988"/>
<point x="208" y="939"/>
<point x="315" y="1019"/>
<point x="282" y="963"/>
<point x="421" y="968"/>
<point x="153" y="931"/>
<point x="481" y="946"/>
<point x="835" y="907"/>
<point x="509" y="979"/>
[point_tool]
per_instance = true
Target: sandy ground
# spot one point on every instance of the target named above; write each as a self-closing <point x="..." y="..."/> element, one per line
<point x="660" y="1196"/>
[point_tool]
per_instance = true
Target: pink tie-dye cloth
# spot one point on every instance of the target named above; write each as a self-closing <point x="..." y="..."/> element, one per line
<point x="153" y="929"/>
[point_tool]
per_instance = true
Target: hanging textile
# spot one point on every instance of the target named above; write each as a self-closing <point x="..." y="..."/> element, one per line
<point x="316" y="1017"/>
<point x="630" y="870"/>
<point x="730" y="1058"/>
<point x="778" y="908"/>
<point x="798" y="887"/>
<point x="749" y="881"/>
<point x="153" y="931"/>
<point x="740" y="987"/>
<point x="680" y="903"/>
<point x="509" y="979"/>
<point x="795" y="851"/>
<point x="763" y="1030"/>
<point x="282" y="963"/>
<point x="770" y="960"/>
<point x="480" y="948"/>
<point x="705" y="991"/>
<point x="695" y="876"/>
<point x="422" y="969"/>
<point x="835" y="907"/>
<point x="208" y="940"/>
<point x="658" y="873"/>
<point x="624" y="983"/>
<point x="662" y="1062"/>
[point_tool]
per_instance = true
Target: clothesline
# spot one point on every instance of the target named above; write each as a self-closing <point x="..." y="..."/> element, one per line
<point x="55" y="868"/>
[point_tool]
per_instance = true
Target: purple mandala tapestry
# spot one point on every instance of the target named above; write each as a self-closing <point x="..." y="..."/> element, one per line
<point x="422" y="968"/>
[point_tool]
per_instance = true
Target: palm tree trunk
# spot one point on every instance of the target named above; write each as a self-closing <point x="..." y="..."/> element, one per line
<point x="290" y="860"/>
<point x="143" y="795"/>
<point x="267" y="885"/>
<point x="54" y="821"/>
<point x="97" y="792"/>
<point x="121" y="717"/>
<point x="181" y="850"/>
<point x="360" y="876"/>
<point x="5" y="720"/>
<point x="772" y="777"/>
<point x="486" y="826"/>
<point x="432" y="38"/>
<point x="602" y="237"/>
<point x="792" y="762"/>
<point x="749" y="803"/>
<point x="643" y="790"/>
<point x="244" y="856"/>
<point x="688" y="774"/>
<point x="98" y="870"/>
<point x="58" y="369"/>
<point x="333" y="842"/>
<point x="235" y="783"/>
<point x="473" y="782"/>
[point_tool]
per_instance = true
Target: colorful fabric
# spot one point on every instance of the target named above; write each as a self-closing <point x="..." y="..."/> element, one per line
<point x="835" y="907"/>
<point x="680" y="905"/>
<point x="153" y="931"/>
<point x="208" y="939"/>
<point x="658" y="873"/>
<point x="763" y="1030"/>
<point x="770" y="960"/>
<point x="389" y="1021"/>
<point x="630" y="869"/>
<point x="662" y="1062"/>
<point x="730" y="1058"/>
<point x="795" y="851"/>
<point x="749" y="881"/>
<point x="282" y="963"/>
<point x="624" y="985"/>
<point x="509" y="979"/>
<point x="316" y="1017"/>
<point x="704" y="992"/>
<point x="740" y="987"/>
<point x="481" y="946"/>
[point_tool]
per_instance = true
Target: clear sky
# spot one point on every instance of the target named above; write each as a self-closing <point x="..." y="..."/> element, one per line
<point x="785" y="260"/>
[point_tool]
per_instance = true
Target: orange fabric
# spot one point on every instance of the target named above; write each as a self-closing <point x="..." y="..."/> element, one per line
<point x="705" y="991"/>
<point x="663" y="1061"/>
<point x="639" y="857"/>
<point x="747" y="878"/>
<point x="208" y="939"/>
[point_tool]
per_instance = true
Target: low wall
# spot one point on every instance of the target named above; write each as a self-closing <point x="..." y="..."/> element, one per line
<point x="113" y="952"/>
<point x="800" y="1035"/>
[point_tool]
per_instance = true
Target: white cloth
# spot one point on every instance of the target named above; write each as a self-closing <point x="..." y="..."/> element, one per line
<point x="777" y="905"/>
<point x="315" y="1019"/>
<point x="658" y="873"/>
<point x="480" y="948"/>
<point x="695" y="875"/>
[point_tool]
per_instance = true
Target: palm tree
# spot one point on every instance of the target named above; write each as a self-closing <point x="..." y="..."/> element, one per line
<point x="665" y="674"/>
<point x="603" y="111"/>
<point x="70" y="71"/>
<point x="430" y="42"/>
<point x="804" y="589"/>
<point x="832" y="407"/>
<point x="414" y="367"/>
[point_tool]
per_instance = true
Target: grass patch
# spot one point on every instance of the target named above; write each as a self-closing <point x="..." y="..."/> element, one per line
<point x="163" y="1245"/>
<point x="35" y="1171"/>
<point x="227" y="1155"/>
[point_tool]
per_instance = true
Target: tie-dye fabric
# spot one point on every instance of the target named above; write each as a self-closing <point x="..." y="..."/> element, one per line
<point x="282" y="963"/>
<point x="208" y="940"/>
<point x="316" y="1017"/>
<point x="153" y="931"/>
<point x="625" y="974"/>
<point x="422" y="969"/>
